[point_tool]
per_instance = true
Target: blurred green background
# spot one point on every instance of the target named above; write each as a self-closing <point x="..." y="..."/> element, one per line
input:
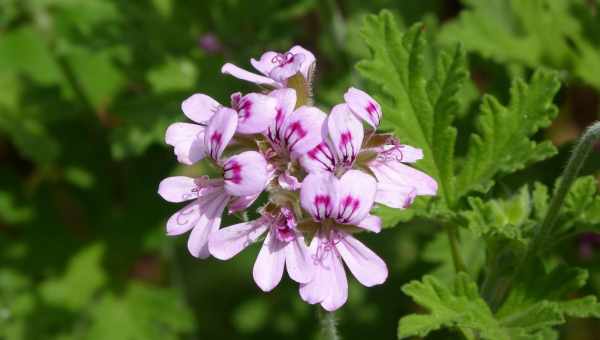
<point x="87" y="89"/>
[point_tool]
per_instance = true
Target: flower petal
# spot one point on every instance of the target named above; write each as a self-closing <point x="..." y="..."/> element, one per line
<point x="288" y="182"/>
<point x="398" y="174"/>
<point x="401" y="153"/>
<point x="395" y="196"/>
<point x="265" y="63"/>
<point x="318" y="159"/>
<point x="346" y="133"/>
<point x="256" y="111"/>
<point x="211" y="208"/>
<point x="337" y="281"/>
<point x="286" y="102"/>
<point x="188" y="140"/>
<point x="298" y="260"/>
<point x="308" y="64"/>
<point x="245" y="173"/>
<point x="219" y="131"/>
<point x="368" y="268"/>
<point x="200" y="108"/>
<point x="319" y="195"/>
<point x="178" y="189"/>
<point x="302" y="130"/>
<point x="288" y="65"/>
<point x="268" y="268"/>
<point x="329" y="285"/>
<point x="228" y="242"/>
<point x="239" y="203"/>
<point x="248" y="76"/>
<point x="356" y="195"/>
<point x="371" y="223"/>
<point x="364" y="106"/>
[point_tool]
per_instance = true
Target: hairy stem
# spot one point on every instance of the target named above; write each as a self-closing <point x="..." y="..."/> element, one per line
<point x="459" y="264"/>
<point x="545" y="231"/>
<point x="544" y="236"/>
<point x="328" y="326"/>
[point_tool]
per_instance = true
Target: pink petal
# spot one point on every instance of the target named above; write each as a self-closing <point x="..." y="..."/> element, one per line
<point x="401" y="153"/>
<point x="302" y="130"/>
<point x="268" y="268"/>
<point x="286" y="102"/>
<point x="188" y="140"/>
<point x="319" y="195"/>
<point x="298" y="260"/>
<point x="245" y="174"/>
<point x="319" y="159"/>
<point x="329" y="285"/>
<point x="346" y="133"/>
<point x="288" y="66"/>
<point x="266" y="63"/>
<point x="212" y="208"/>
<point x="256" y="111"/>
<point x="368" y="268"/>
<point x="178" y="189"/>
<point x="356" y="195"/>
<point x="395" y="196"/>
<point x="228" y="242"/>
<point x="239" y="203"/>
<point x="398" y="174"/>
<point x="248" y="76"/>
<point x="288" y="182"/>
<point x="200" y="108"/>
<point x="308" y="63"/>
<point x="188" y="217"/>
<point x="364" y="106"/>
<point x="219" y="131"/>
<point x="338" y="284"/>
<point x="371" y="223"/>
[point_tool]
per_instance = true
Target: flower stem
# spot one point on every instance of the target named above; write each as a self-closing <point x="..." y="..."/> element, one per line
<point x="580" y="153"/>
<point x="328" y="326"/>
<point x="459" y="264"/>
<point x="544" y="237"/>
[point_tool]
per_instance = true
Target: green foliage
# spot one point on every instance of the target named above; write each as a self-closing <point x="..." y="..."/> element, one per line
<point x="561" y="34"/>
<point x="421" y="110"/>
<point x="532" y="307"/>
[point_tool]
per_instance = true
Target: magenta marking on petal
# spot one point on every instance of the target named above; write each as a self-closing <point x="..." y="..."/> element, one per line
<point x="322" y="154"/>
<point x="215" y="143"/>
<point x="232" y="171"/>
<point x="347" y="148"/>
<point x="295" y="132"/>
<point x="244" y="110"/>
<point x="323" y="206"/>
<point x="348" y="207"/>
<point x="283" y="59"/>
<point x="274" y="135"/>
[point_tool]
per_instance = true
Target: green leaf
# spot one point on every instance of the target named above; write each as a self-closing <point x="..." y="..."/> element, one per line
<point x="530" y="33"/>
<point x="82" y="279"/>
<point x="538" y="297"/>
<point x="582" y="203"/>
<point x="143" y="312"/>
<point x="502" y="142"/>
<point x="420" y="109"/>
<point x="460" y="307"/>
<point x="173" y="75"/>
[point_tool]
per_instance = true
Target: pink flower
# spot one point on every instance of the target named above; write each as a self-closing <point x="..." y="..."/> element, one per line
<point x="244" y="177"/>
<point x="397" y="183"/>
<point x="343" y="142"/>
<point x="364" y="106"/>
<point x="337" y="204"/>
<point x="254" y="113"/>
<point x="283" y="246"/>
<point x="276" y="67"/>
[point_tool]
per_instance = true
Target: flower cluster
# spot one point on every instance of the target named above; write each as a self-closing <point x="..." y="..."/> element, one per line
<point x="322" y="173"/>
